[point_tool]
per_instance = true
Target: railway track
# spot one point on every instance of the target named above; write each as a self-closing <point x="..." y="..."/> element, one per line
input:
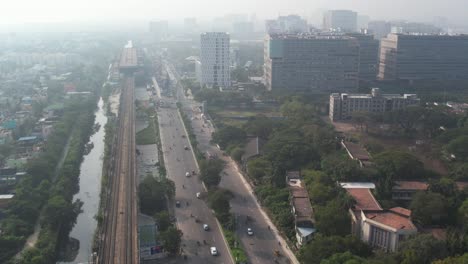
<point x="120" y="236"/>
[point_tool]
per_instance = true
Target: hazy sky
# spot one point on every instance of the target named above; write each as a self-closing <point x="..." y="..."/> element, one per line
<point x="26" y="11"/>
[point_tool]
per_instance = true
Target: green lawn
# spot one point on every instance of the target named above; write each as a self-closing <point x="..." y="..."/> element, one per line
<point x="148" y="135"/>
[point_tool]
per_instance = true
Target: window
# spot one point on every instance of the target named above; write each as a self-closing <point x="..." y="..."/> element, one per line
<point x="379" y="238"/>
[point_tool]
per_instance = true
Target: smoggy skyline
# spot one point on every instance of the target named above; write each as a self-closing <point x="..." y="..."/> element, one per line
<point x="56" y="11"/>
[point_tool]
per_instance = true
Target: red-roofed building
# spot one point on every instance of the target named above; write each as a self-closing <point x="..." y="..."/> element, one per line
<point x="404" y="190"/>
<point x="383" y="229"/>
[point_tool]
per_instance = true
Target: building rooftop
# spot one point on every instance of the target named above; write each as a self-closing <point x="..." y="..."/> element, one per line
<point x="27" y="138"/>
<point x="392" y="219"/>
<point x="309" y="36"/>
<point x="360" y="185"/>
<point x="356" y="151"/>
<point x="302" y="207"/>
<point x="411" y="185"/>
<point x="364" y="199"/>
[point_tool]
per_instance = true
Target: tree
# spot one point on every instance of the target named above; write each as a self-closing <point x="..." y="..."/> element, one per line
<point x="332" y="219"/>
<point x="322" y="247"/>
<point x="172" y="239"/>
<point x="459" y="147"/>
<point x="260" y="126"/>
<point x="219" y="202"/>
<point x="399" y="165"/>
<point x="463" y="213"/>
<point x="297" y="112"/>
<point x="163" y="220"/>
<point x="422" y="249"/>
<point x="460" y="172"/>
<point x="444" y="186"/>
<point x="343" y="258"/>
<point x="210" y="170"/>
<point x="152" y="195"/>
<point x="407" y="118"/>
<point x="229" y="135"/>
<point x="286" y="150"/>
<point x="453" y="260"/>
<point x="237" y="153"/>
<point x="341" y="168"/>
<point x="429" y="208"/>
<point x="258" y="168"/>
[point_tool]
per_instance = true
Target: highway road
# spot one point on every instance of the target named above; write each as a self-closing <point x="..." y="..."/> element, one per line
<point x="266" y="239"/>
<point x="259" y="247"/>
<point x="178" y="161"/>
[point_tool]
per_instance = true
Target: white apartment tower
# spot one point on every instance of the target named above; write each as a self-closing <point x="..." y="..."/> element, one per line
<point x="214" y="57"/>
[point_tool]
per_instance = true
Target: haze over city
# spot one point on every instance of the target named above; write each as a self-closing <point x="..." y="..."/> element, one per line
<point x="233" y="131"/>
<point x="53" y="11"/>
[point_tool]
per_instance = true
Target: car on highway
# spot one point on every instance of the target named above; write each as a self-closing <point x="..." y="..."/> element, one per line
<point x="213" y="251"/>
<point x="206" y="227"/>
<point x="198" y="195"/>
<point x="250" y="231"/>
<point x="187" y="174"/>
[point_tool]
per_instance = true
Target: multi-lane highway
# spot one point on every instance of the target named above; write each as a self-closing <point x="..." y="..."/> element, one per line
<point x="178" y="160"/>
<point x="260" y="247"/>
<point x="120" y="222"/>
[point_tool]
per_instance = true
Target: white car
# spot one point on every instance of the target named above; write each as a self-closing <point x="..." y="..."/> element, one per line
<point x="187" y="174"/>
<point x="198" y="195"/>
<point x="214" y="251"/>
<point x="206" y="227"/>
<point x="250" y="231"/>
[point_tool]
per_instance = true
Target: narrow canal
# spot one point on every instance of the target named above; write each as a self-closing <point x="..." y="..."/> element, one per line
<point x="90" y="187"/>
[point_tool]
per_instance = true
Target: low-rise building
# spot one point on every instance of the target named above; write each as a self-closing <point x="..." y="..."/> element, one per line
<point x="383" y="229"/>
<point x="357" y="152"/>
<point x="405" y="190"/>
<point x="5" y="200"/>
<point x="342" y="106"/>
<point x="301" y="208"/>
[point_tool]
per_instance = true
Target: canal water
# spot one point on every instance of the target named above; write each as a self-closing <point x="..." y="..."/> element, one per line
<point x="90" y="187"/>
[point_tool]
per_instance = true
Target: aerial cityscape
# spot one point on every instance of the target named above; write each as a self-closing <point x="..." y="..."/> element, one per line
<point x="234" y="132"/>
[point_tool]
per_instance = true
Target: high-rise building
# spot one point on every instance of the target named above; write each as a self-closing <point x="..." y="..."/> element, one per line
<point x="214" y="58"/>
<point x="242" y="29"/>
<point x="368" y="55"/>
<point x="159" y="29"/>
<point x="362" y="22"/>
<point x="341" y="20"/>
<point x="190" y="25"/>
<point x="423" y="57"/>
<point x="403" y="27"/>
<point x="308" y="62"/>
<point x="379" y="28"/>
<point x="286" y="24"/>
<point x="342" y="106"/>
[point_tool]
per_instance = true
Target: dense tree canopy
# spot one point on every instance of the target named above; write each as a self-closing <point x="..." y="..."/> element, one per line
<point x="172" y="239"/>
<point x="422" y="249"/>
<point x="322" y="247"/>
<point x="429" y="208"/>
<point x="229" y="135"/>
<point x="210" y="171"/>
